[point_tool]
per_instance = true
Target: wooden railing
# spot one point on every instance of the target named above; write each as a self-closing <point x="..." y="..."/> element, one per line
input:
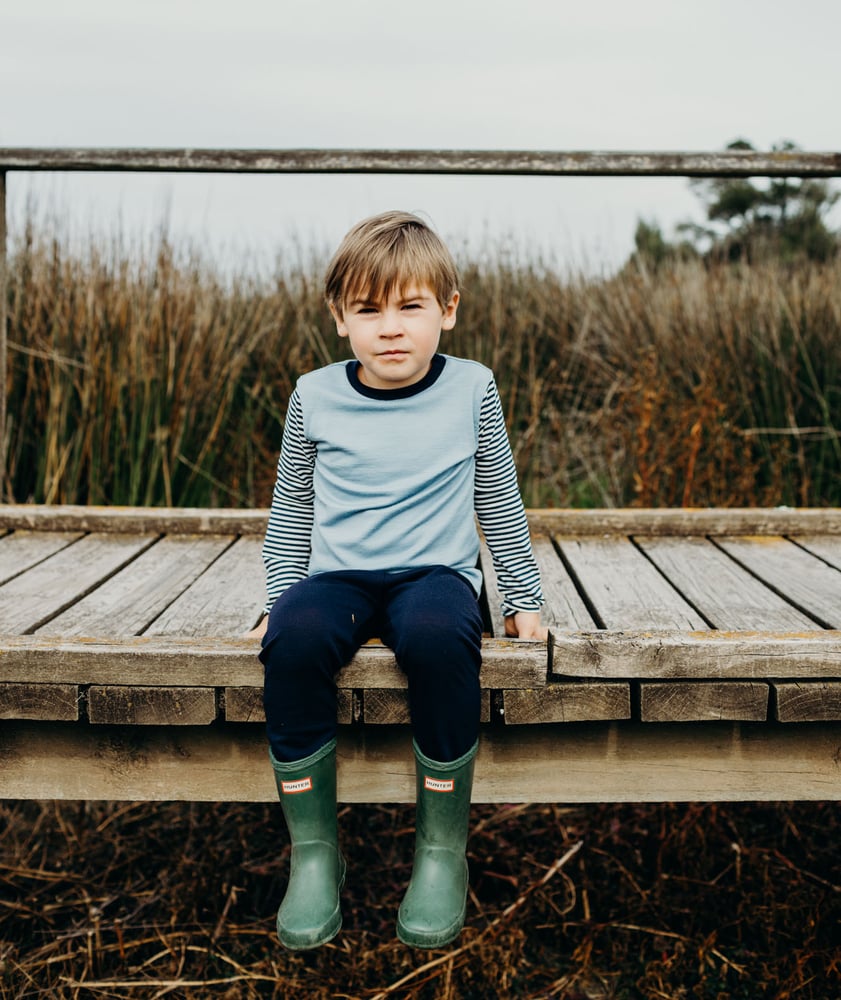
<point x="732" y="163"/>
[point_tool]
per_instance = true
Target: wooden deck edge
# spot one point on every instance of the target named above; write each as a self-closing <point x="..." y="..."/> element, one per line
<point x="169" y="661"/>
<point x="610" y="762"/>
<point x="599" y="655"/>
<point x="710" y="655"/>
<point x="662" y="521"/>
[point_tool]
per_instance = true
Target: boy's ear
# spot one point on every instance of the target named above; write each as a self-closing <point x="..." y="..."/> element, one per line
<point x="449" y="320"/>
<point x="337" y="315"/>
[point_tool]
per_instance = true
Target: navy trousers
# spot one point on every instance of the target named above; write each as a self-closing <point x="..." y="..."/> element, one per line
<point x="429" y="617"/>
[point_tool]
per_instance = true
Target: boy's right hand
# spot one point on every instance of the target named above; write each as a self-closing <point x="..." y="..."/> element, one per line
<point x="259" y="630"/>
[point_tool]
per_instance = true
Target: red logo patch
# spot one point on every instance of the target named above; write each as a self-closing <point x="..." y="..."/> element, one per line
<point x="438" y="784"/>
<point x="294" y="787"/>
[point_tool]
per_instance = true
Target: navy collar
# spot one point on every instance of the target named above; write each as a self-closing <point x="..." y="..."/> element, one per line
<point x="435" y="369"/>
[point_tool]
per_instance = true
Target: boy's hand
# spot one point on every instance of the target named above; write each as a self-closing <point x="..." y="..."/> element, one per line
<point x="259" y="630"/>
<point x="525" y="625"/>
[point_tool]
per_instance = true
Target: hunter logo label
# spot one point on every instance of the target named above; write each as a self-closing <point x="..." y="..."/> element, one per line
<point x="438" y="784"/>
<point x="293" y="787"/>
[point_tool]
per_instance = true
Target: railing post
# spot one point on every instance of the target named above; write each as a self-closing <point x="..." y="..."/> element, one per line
<point x="3" y="299"/>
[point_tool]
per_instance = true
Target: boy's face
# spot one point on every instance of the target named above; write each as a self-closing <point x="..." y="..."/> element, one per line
<point x="395" y="340"/>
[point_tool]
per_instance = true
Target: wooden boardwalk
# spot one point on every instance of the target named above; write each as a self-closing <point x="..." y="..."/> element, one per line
<point x="692" y="655"/>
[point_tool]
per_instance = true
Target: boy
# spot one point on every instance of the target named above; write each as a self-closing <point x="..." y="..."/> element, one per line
<point x="386" y="462"/>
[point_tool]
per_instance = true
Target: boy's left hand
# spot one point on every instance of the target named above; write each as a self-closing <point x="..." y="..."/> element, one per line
<point x="525" y="625"/>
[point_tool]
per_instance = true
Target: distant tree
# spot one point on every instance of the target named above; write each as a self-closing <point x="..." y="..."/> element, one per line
<point x="786" y="218"/>
<point x="652" y="249"/>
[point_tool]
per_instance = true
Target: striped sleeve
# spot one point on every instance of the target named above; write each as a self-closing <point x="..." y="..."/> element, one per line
<point x="286" y="549"/>
<point x="499" y="509"/>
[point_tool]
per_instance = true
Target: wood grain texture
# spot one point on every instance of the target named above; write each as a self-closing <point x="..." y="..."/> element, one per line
<point x="722" y="590"/>
<point x="21" y="550"/>
<point x="599" y="521"/>
<point x="826" y="547"/>
<point x="729" y="163"/>
<point x="226" y="600"/>
<point x="148" y="706"/>
<point x="663" y="655"/>
<point x="564" y="608"/>
<point x="47" y="702"/>
<point x="581" y="762"/>
<point x="808" y="701"/>
<point x="625" y="590"/>
<point x="31" y="599"/>
<point x="132" y="599"/>
<point x="804" y="580"/>
<point x="222" y="662"/>
<point x="573" y="702"/>
<point x="704" y="701"/>
<point x="245" y="704"/>
<point x="493" y="595"/>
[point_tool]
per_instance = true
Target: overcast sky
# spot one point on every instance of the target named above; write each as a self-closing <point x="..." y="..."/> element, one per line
<point x="530" y="74"/>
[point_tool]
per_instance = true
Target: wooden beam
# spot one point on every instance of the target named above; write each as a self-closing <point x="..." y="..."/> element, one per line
<point x="602" y="762"/>
<point x="688" y="521"/>
<point x="730" y="656"/>
<point x="704" y="701"/>
<point x="149" y="706"/>
<point x="630" y="520"/>
<point x="730" y="163"/>
<point x="808" y="701"/>
<point x="223" y="662"/>
<point x="45" y="702"/>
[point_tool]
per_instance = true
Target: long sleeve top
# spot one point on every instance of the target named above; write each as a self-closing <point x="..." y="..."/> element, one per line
<point x="396" y="479"/>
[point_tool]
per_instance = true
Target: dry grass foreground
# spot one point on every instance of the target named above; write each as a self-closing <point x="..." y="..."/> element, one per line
<point x="584" y="903"/>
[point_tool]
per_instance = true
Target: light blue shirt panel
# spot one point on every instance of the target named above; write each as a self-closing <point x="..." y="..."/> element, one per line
<point x="394" y="478"/>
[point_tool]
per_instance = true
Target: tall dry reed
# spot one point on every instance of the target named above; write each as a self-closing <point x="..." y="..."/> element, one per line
<point x="153" y="379"/>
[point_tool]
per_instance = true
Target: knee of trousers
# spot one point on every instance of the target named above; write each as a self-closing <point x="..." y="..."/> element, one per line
<point x="440" y="656"/>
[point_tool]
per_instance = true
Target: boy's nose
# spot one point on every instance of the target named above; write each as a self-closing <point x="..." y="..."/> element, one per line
<point x="392" y="324"/>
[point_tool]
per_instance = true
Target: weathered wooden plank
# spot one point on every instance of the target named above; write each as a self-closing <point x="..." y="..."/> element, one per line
<point x="584" y="701"/>
<point x="598" y="762"/>
<point x="29" y="600"/>
<point x="47" y="702"/>
<point x="826" y="547"/>
<point x="245" y="704"/>
<point x="227" y="600"/>
<point x="134" y="520"/>
<point x="623" y="589"/>
<point x="616" y="521"/>
<point x="139" y="660"/>
<point x="388" y="707"/>
<point x="728" y="163"/>
<point x="725" y="593"/>
<point x="807" y="582"/>
<point x="697" y="655"/>
<point x="21" y="550"/>
<point x="133" y="598"/>
<point x="704" y="701"/>
<point x="223" y="662"/>
<point x="808" y="701"/>
<point x="492" y="591"/>
<point x="687" y="521"/>
<point x="150" y="706"/>
<point x="564" y="608"/>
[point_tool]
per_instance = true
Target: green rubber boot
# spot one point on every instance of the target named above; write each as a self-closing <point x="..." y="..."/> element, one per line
<point x="433" y="909"/>
<point x="309" y="915"/>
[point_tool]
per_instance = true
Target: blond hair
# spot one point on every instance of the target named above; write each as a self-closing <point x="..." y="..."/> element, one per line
<point x="388" y="251"/>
